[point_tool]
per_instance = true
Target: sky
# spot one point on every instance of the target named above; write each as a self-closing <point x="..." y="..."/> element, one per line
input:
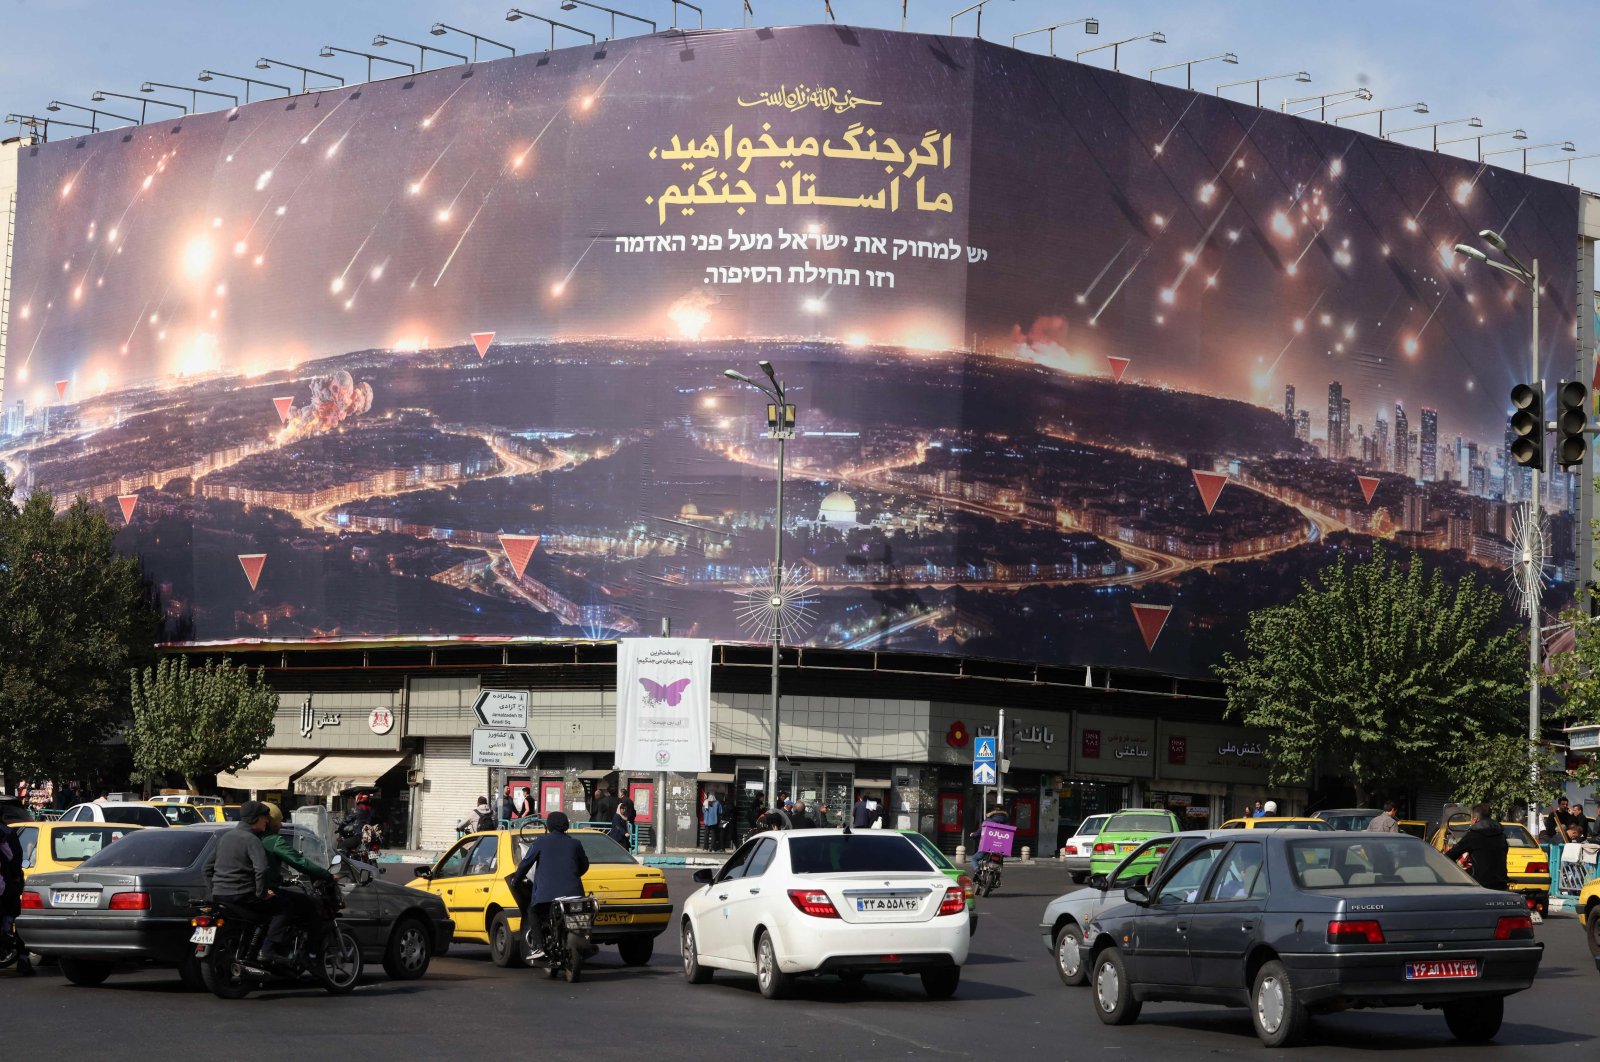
<point x="1430" y="51"/>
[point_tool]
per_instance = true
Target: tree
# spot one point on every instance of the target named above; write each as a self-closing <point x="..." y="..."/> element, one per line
<point x="74" y="616"/>
<point x="1380" y="669"/>
<point x="199" y="720"/>
<point x="1575" y="676"/>
<point x="1497" y="771"/>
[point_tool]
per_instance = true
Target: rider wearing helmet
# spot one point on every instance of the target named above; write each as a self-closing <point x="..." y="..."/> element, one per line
<point x="562" y="864"/>
<point x="1270" y="807"/>
<point x="281" y="851"/>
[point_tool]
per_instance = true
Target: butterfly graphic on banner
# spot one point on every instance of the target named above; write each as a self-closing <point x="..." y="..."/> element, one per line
<point x="669" y="694"/>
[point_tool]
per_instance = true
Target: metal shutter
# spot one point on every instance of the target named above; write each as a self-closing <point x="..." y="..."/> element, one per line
<point x="451" y="785"/>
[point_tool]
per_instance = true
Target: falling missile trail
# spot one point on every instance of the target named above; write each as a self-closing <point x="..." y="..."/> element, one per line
<point x="266" y="175"/>
<point x="452" y="255"/>
<point x="136" y="322"/>
<point x="428" y="121"/>
<point x="1162" y="146"/>
<point x="416" y="186"/>
<point x="1136" y="263"/>
<point x="584" y="255"/>
<point x="444" y="215"/>
<point x="1083" y="296"/>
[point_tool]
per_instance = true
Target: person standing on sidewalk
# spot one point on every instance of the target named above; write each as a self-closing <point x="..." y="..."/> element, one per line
<point x="1386" y="820"/>
<point x="11" y="878"/>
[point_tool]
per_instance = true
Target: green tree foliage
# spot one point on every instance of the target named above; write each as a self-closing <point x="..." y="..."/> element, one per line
<point x="199" y="720"/>
<point x="74" y="616"/>
<point x="1496" y="771"/>
<point x="1379" y="670"/>
<point x="1575" y="677"/>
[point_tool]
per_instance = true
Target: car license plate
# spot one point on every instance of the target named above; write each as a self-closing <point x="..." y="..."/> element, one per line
<point x="886" y="903"/>
<point x="1441" y="969"/>
<point x="1127" y="847"/>
<point x="75" y="898"/>
<point x="203" y="935"/>
<point x="611" y="918"/>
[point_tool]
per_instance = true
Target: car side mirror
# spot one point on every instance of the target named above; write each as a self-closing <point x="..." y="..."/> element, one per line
<point x="423" y="872"/>
<point x="704" y="877"/>
<point x="1099" y="881"/>
<point x="363" y="877"/>
<point x="1135" y="894"/>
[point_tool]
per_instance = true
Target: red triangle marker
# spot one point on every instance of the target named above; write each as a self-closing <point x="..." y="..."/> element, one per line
<point x="1151" y="620"/>
<point x="127" y="501"/>
<point x="481" y="340"/>
<point x="1118" y="367"/>
<point x="61" y="389"/>
<point x="519" y="550"/>
<point x="1210" y="484"/>
<point x="251" y="563"/>
<point x="283" y="405"/>
<point x="1368" y="485"/>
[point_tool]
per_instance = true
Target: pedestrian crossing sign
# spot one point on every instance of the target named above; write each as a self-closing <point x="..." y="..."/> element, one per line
<point x="983" y="749"/>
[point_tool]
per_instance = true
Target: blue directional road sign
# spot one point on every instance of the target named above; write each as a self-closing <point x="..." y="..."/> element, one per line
<point x="983" y="761"/>
<point x="983" y="773"/>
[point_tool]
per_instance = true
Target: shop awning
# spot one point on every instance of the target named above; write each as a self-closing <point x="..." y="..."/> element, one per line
<point x="271" y="771"/>
<point x="597" y="773"/>
<point x="334" y="774"/>
<point x="715" y="777"/>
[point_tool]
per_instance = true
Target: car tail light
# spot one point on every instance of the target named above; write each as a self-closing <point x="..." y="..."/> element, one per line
<point x="813" y="902"/>
<point x="1514" y="927"/>
<point x="1071" y="849"/>
<point x="32" y="901"/>
<point x="965" y="881"/>
<point x="130" y="901"/>
<point x="1538" y="868"/>
<point x="955" y="901"/>
<point x="1355" y="932"/>
<point x="654" y="890"/>
<point x="1103" y="847"/>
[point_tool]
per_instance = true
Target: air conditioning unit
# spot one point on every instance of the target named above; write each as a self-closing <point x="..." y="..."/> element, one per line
<point x="414" y="776"/>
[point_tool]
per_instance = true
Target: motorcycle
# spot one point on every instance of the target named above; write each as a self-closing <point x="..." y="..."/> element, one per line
<point x="228" y="943"/>
<point x="566" y="936"/>
<point x="987" y="878"/>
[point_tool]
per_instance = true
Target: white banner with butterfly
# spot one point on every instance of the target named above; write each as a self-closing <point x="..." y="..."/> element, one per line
<point x="664" y="704"/>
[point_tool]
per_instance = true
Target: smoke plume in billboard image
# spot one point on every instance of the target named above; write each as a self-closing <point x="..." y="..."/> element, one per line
<point x="1087" y="368"/>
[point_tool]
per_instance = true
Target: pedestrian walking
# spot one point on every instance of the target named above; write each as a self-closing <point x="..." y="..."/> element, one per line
<point x="1484" y="845"/>
<point x="1385" y="821"/>
<point x="605" y="805"/>
<point x="711" y="819"/>
<point x="11" y="878"/>
<point x="618" y="831"/>
<point x="521" y="806"/>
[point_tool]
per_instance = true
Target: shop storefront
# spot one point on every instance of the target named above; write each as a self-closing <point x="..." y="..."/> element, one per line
<point x="1113" y="762"/>
<point x="1207" y="774"/>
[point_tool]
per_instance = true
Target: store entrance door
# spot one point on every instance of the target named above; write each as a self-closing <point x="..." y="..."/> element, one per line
<point x="818" y="787"/>
<point x="1025" y="817"/>
<point x="643" y="795"/>
<point x="952" y="819"/>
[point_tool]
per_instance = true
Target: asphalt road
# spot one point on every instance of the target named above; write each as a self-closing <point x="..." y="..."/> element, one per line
<point x="1010" y="1005"/>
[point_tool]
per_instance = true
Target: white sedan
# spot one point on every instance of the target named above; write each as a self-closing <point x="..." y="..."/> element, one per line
<point x="801" y="902"/>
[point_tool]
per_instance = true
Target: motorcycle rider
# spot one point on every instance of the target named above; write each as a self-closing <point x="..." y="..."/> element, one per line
<point x="237" y="871"/>
<point x="353" y="827"/>
<point x="280" y="851"/>
<point x="997" y="814"/>
<point x="562" y="864"/>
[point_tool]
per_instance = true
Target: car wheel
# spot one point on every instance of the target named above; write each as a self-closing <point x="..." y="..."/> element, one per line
<point x="636" y="951"/>
<point x="1475" y="1021"/>
<point x="1275" y="1007"/>
<point x="1113" y="995"/>
<point x="1079" y="877"/>
<point x="774" y="983"/>
<point x="693" y="972"/>
<point x="189" y="973"/>
<point x="85" y="972"/>
<point x="505" y="947"/>
<point x="1070" y="956"/>
<point x="410" y="950"/>
<point x="1593" y="920"/>
<point x="941" y="983"/>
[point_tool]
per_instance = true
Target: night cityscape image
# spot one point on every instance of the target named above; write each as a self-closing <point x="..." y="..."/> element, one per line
<point x="1087" y="368"/>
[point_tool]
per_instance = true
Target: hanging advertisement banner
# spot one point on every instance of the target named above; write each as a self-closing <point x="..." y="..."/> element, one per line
<point x="664" y="705"/>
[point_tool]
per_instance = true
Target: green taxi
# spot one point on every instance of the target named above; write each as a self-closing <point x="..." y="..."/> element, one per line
<point x="1125" y="831"/>
<point x="957" y="876"/>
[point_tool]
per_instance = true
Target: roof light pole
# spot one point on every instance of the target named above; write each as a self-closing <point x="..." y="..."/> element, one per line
<point x="1155" y="37"/>
<point x="516" y="13"/>
<point x="978" y="7"/>
<point x="1091" y="26"/>
<point x="700" y="15"/>
<point x="1569" y="162"/>
<point x="305" y="72"/>
<point x="573" y="5"/>
<point x="1515" y="134"/>
<point x="1474" y="123"/>
<point x="32" y="121"/>
<point x="329" y="51"/>
<point x="439" y="29"/>
<point x="1189" y="65"/>
<point x="1419" y="107"/>
<point x="101" y="94"/>
<point x="1322" y="101"/>
<point x="208" y="75"/>
<point x="1564" y="145"/>
<point x="379" y="40"/>
<point x="194" y="93"/>
<point x="94" y="127"/>
<point x="1299" y="75"/>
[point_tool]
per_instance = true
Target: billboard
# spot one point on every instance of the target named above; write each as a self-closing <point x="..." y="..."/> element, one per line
<point x="1087" y="367"/>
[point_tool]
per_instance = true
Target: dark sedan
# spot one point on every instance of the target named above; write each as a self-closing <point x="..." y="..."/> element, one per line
<point x="131" y="903"/>
<point x="1292" y="923"/>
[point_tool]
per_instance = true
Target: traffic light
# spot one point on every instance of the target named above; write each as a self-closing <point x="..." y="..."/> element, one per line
<point x="1527" y="424"/>
<point x="1572" y="421"/>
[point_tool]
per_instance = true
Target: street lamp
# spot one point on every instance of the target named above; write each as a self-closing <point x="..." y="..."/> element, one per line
<point x="1472" y="123"/>
<point x="1156" y="37"/>
<point x="1515" y="134"/>
<point x="101" y="94"/>
<point x="1322" y="101"/>
<point x="978" y="7"/>
<point x="780" y="426"/>
<point x="1091" y="26"/>
<point x="381" y="39"/>
<point x="207" y="75"/>
<point x="699" y="15"/>
<point x="329" y="51"/>
<point x="305" y="71"/>
<point x="1569" y="162"/>
<point x="573" y="5"/>
<point x="1189" y="65"/>
<point x="516" y="13"/>
<point x="1419" y="107"/>
<point x="1530" y="278"/>
<point x="94" y="127"/>
<point x="31" y="121"/>
<point x="1564" y="145"/>
<point x="439" y="29"/>
<point x="194" y="93"/>
<point x="1299" y="75"/>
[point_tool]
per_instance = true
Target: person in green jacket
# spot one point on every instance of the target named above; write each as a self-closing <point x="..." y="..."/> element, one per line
<point x="281" y="851"/>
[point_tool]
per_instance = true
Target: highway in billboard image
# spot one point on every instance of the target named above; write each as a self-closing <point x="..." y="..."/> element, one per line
<point x="1087" y="367"/>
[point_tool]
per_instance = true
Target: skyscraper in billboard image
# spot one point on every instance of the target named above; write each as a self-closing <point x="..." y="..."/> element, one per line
<point x="442" y="355"/>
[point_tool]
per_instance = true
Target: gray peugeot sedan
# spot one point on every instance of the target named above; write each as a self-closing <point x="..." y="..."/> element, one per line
<point x="1295" y="923"/>
<point x="131" y="902"/>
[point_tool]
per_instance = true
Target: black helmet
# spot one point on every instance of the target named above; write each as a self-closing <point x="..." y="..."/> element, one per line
<point x="556" y="822"/>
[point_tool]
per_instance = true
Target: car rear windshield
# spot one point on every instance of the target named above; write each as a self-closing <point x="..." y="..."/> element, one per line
<point x="139" y="816"/>
<point x="1370" y="861"/>
<point x="1139" y="822"/>
<point x="68" y="844"/>
<point x="1352" y="820"/>
<point x="153" y="848"/>
<point x="597" y="846"/>
<point x="1298" y="824"/>
<point x="855" y="853"/>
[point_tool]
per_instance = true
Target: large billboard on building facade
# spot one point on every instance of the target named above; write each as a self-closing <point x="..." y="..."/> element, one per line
<point x="1086" y="367"/>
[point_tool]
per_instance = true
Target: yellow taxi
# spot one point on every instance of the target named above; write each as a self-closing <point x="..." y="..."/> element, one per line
<point x="1527" y="865"/>
<point x="218" y="812"/>
<point x="52" y="846"/>
<point x="471" y="879"/>
<point x="182" y="814"/>
<point x="1275" y="822"/>
<point x="1589" y="916"/>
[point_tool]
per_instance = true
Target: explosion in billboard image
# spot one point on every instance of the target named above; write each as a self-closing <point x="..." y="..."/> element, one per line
<point x="1087" y="367"/>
